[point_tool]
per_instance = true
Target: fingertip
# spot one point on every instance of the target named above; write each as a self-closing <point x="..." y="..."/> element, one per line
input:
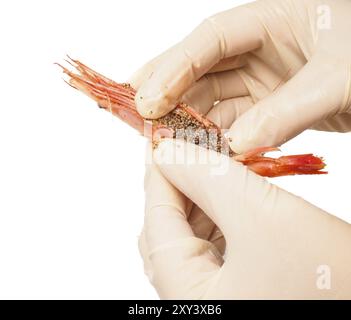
<point x="136" y="79"/>
<point x="238" y="147"/>
<point x="236" y="141"/>
<point x="152" y="105"/>
<point x="249" y="132"/>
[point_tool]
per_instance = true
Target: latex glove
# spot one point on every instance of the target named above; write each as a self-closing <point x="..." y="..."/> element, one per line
<point x="289" y="61"/>
<point x="277" y="245"/>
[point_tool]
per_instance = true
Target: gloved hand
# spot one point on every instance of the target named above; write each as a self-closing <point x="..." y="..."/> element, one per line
<point x="278" y="246"/>
<point x="277" y="67"/>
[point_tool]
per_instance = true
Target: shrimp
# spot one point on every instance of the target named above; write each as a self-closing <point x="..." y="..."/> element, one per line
<point x="182" y="123"/>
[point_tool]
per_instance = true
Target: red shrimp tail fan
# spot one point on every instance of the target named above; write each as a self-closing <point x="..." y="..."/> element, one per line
<point x="282" y="166"/>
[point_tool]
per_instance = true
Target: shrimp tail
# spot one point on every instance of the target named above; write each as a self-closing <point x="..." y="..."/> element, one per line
<point x="282" y="166"/>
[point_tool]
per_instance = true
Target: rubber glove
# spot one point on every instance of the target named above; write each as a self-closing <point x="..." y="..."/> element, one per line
<point x="277" y="245"/>
<point x="290" y="60"/>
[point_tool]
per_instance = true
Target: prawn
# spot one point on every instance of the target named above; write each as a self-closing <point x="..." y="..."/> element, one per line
<point x="183" y="122"/>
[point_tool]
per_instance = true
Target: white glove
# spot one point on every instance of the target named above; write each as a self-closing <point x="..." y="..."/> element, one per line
<point x="281" y="66"/>
<point x="277" y="244"/>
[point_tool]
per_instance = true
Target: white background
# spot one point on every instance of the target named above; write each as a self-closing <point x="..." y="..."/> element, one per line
<point x="71" y="176"/>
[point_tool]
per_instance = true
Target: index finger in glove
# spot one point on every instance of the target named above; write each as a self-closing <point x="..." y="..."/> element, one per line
<point x="224" y="35"/>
